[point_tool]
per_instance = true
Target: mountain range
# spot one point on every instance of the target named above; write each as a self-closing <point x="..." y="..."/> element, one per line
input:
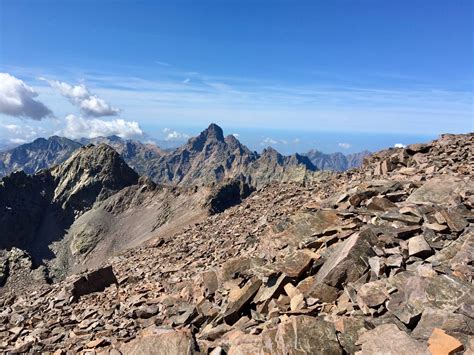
<point x="85" y="201"/>
<point x="207" y="158"/>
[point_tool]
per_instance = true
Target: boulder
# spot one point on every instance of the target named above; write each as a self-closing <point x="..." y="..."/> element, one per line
<point x="170" y="342"/>
<point x="380" y="204"/>
<point x="295" y="335"/>
<point x="439" y="190"/>
<point x="372" y="294"/>
<point x="296" y="264"/>
<point x="244" y="296"/>
<point x="456" y="222"/>
<point x="387" y="339"/>
<point x="93" y="281"/>
<point x="348" y="261"/>
<point x="418" y="246"/>
<point x="304" y="334"/>
<point x="450" y="322"/>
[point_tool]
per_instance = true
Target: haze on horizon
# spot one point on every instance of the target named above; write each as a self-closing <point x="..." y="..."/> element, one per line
<point x="340" y="75"/>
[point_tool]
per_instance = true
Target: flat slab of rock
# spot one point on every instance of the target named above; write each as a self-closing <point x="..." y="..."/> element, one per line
<point x="439" y="190"/>
<point x="437" y="318"/>
<point x="245" y="295"/>
<point x="348" y="261"/>
<point x="170" y="342"/>
<point x="418" y="246"/>
<point x="387" y="339"/>
<point x="441" y="343"/>
<point x="297" y="335"/>
<point x="295" y="264"/>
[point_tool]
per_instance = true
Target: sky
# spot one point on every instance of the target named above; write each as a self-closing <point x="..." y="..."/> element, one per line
<point x="340" y="75"/>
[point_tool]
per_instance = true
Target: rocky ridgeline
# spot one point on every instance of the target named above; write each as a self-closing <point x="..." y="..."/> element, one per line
<point x="376" y="260"/>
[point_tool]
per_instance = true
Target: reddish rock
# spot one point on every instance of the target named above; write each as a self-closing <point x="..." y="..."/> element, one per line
<point x="441" y="343"/>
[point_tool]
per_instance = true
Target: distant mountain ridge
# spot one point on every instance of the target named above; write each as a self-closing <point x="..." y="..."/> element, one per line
<point x="336" y="161"/>
<point x="205" y="159"/>
<point x="39" y="154"/>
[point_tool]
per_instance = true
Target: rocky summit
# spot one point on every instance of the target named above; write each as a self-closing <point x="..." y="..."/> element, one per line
<point x="375" y="260"/>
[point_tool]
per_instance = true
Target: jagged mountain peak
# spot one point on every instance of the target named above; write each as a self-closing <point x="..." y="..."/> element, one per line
<point x="211" y="135"/>
<point x="213" y="132"/>
<point x="91" y="174"/>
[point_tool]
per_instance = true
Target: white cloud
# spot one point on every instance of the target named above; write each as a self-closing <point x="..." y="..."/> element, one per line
<point x="80" y="96"/>
<point x="296" y="140"/>
<point x="399" y="145"/>
<point x="268" y="141"/>
<point x="236" y="135"/>
<point x="20" y="134"/>
<point x="18" y="99"/>
<point x="344" y="145"/>
<point x="79" y="127"/>
<point x="172" y="135"/>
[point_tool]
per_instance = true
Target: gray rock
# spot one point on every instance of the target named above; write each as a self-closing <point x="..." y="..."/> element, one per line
<point x="167" y="343"/>
<point x="439" y="190"/>
<point x="387" y="339"/>
<point x="418" y="246"/>
<point x="348" y="261"/>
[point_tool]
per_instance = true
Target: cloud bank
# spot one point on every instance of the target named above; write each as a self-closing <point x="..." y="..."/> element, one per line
<point x="79" y="127"/>
<point x="18" y="99"/>
<point x="80" y="96"/>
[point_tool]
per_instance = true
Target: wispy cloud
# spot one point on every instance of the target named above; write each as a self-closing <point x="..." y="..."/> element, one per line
<point x="252" y="102"/>
<point x="344" y="145"/>
<point x="80" y="96"/>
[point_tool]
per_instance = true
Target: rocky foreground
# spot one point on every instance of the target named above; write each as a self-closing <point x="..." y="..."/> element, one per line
<point x="375" y="260"/>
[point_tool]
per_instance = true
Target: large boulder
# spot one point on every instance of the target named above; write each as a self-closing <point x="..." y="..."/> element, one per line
<point x="387" y="339"/>
<point x="440" y="190"/>
<point x="349" y="260"/>
<point x="94" y="281"/>
<point x="169" y="342"/>
<point x="297" y="335"/>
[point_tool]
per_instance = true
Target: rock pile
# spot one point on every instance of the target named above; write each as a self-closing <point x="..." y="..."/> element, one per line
<point x="376" y="260"/>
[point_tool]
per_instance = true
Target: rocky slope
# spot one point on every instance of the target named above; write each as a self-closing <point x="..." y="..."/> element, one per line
<point x="35" y="210"/>
<point x="90" y="207"/>
<point x="375" y="260"/>
<point x="336" y="161"/>
<point x="39" y="154"/>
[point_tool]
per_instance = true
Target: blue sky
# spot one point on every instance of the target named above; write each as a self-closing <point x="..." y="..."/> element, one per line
<point x="283" y="68"/>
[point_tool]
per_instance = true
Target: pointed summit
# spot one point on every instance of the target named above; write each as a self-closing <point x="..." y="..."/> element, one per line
<point x="213" y="132"/>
